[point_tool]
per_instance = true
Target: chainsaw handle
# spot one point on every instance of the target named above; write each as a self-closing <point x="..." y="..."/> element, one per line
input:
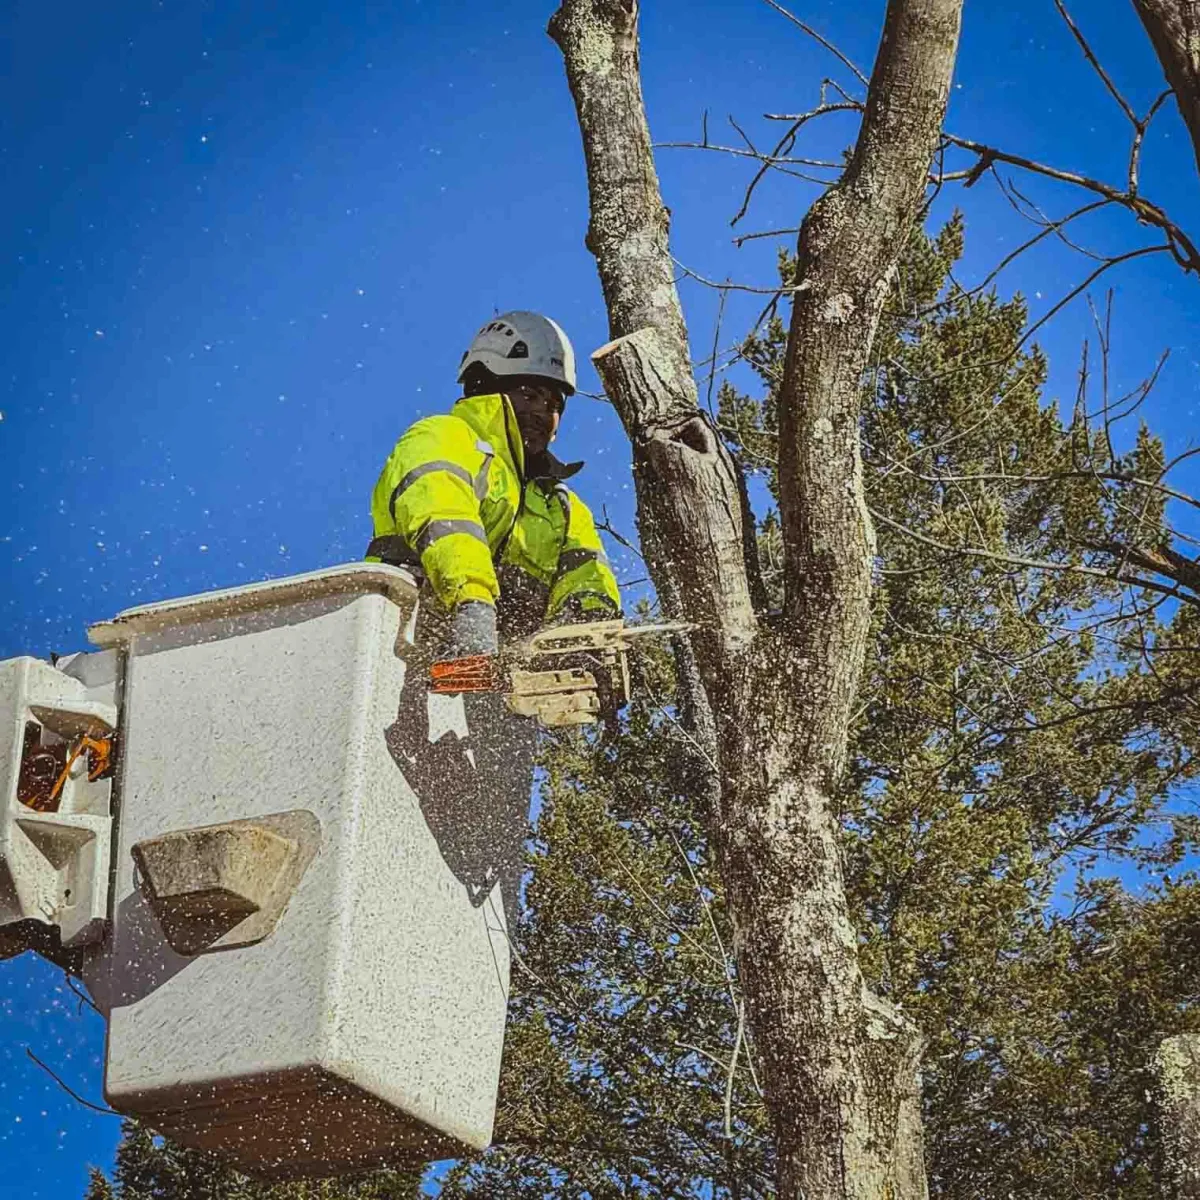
<point x="474" y="673"/>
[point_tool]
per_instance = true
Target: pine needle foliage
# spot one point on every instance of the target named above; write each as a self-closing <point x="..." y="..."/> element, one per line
<point x="1016" y="820"/>
<point x="1024" y="741"/>
<point x="151" y="1168"/>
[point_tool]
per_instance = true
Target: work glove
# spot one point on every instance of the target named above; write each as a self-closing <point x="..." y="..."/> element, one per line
<point x="472" y="631"/>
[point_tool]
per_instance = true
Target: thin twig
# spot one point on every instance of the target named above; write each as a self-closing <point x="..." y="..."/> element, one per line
<point x="780" y="161"/>
<point x="737" y="1046"/>
<point x="1116" y="260"/>
<point x="1139" y="136"/>
<point x="703" y="753"/>
<point x="66" y="1087"/>
<point x="672" y="924"/>
<point x="764" y="233"/>
<point x="729" y="972"/>
<point x="712" y="1058"/>
<point x="1037" y="564"/>
<point x="502" y="929"/>
<point x="84" y="998"/>
<point x="1114" y="91"/>
<point x="1111" y="476"/>
<point x="712" y="374"/>
<point x="989" y="415"/>
<point x="812" y="33"/>
<point x="739" y="287"/>
<point x="1021" y="203"/>
<point x="1048" y="228"/>
<point x="610" y="529"/>
<point x="788" y="140"/>
<point x="837" y="87"/>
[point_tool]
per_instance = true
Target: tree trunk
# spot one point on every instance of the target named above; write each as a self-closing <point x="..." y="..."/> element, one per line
<point x="840" y="1066"/>
<point x="1174" y="29"/>
<point x="1177" y="1071"/>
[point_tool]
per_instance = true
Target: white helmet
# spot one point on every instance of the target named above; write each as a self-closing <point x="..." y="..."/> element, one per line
<point x="523" y="343"/>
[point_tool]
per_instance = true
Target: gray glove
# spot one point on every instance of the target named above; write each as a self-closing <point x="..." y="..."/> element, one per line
<point x="472" y="631"/>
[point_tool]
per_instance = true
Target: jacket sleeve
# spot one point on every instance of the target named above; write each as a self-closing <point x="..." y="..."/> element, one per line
<point x="429" y="494"/>
<point x="584" y="584"/>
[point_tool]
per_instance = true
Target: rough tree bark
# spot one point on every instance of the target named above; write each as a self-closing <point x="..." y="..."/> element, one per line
<point x="1174" y="29"/>
<point x="1176" y="1068"/>
<point x="840" y="1066"/>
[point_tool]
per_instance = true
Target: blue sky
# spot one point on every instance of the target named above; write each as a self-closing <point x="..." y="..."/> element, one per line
<point x="245" y="245"/>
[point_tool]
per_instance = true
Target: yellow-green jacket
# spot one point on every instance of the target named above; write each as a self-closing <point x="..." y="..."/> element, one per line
<point x="453" y="498"/>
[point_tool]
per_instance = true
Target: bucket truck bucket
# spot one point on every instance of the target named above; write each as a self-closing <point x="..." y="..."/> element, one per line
<point x="300" y="942"/>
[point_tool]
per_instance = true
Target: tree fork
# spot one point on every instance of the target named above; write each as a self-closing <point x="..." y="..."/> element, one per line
<point x="840" y="1065"/>
<point x="1174" y="29"/>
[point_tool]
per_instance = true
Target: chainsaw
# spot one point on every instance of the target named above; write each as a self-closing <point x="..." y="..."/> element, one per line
<point x="552" y="675"/>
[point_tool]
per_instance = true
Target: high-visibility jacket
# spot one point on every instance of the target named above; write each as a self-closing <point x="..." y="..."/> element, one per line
<point x="453" y="497"/>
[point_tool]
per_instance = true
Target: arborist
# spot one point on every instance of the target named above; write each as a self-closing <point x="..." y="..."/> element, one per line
<point x="476" y="502"/>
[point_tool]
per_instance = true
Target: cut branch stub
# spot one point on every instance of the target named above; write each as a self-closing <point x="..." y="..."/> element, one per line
<point x="642" y="377"/>
<point x="688" y="479"/>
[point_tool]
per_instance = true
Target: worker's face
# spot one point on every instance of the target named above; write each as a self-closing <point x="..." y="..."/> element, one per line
<point x="538" y="409"/>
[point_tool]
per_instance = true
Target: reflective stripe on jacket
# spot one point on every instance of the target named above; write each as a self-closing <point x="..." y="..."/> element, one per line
<point x="452" y="497"/>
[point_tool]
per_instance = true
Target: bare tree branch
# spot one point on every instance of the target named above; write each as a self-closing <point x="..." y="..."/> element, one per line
<point x="1049" y="228"/>
<point x="1108" y="264"/>
<point x="758" y="156"/>
<point x="1174" y="29"/>
<point x="1027" y="210"/>
<point x="1181" y="244"/>
<point x="66" y="1087"/>
<point x="812" y="33"/>
<point x="765" y="233"/>
<point x="1151" y="561"/>
<point x="1113" y="90"/>
<point x="785" y="143"/>
<point x="1021" y="480"/>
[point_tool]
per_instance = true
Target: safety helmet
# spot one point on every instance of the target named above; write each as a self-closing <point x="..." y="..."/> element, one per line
<point x="523" y="343"/>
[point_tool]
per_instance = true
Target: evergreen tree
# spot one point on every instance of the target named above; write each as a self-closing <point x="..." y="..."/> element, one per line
<point x="1022" y="736"/>
<point x="151" y="1168"/>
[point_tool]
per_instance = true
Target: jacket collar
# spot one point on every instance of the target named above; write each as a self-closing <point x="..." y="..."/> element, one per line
<point x="493" y="420"/>
<point x="550" y="467"/>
